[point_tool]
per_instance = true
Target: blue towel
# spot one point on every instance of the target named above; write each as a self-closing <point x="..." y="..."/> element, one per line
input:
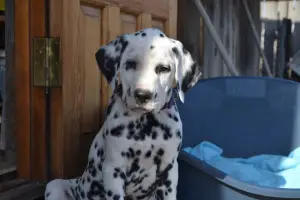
<point x="264" y="170"/>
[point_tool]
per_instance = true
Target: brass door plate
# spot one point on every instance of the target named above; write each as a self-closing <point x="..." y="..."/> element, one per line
<point x="46" y="62"/>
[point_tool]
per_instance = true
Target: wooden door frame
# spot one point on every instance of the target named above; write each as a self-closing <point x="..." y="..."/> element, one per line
<point x="28" y="116"/>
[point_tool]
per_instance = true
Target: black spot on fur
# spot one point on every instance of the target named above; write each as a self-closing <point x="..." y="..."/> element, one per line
<point x="154" y="135"/>
<point x="160" y="152"/>
<point x="178" y="133"/>
<point x="134" y="167"/>
<point x="168" y="183"/>
<point x="48" y="194"/>
<point x="127" y="154"/>
<point x="175" y="118"/>
<point x="100" y="167"/>
<point x="117" y="131"/>
<point x="148" y="154"/>
<point x="109" y="193"/>
<point x="169" y="92"/>
<point x="110" y="106"/>
<point x="116" y="197"/>
<point x="117" y="61"/>
<point x="124" y="44"/>
<point x="159" y="194"/>
<point x="130" y="135"/>
<point x="122" y="175"/>
<point x="176" y="51"/>
<point x="130" y="125"/>
<point x="151" y="47"/>
<point x="96" y="190"/>
<point x="166" y="131"/>
<point x="178" y="147"/>
<point x="82" y="194"/>
<point x="115" y="175"/>
<point x="136" y="34"/>
<point x="144" y="34"/>
<point x="116" y="115"/>
<point x="91" y="168"/>
<point x="157" y="160"/>
<point x="184" y="50"/>
<point x="120" y="90"/>
<point x="128" y="91"/>
<point x="100" y="152"/>
<point x="161" y="35"/>
<point x="67" y="194"/>
<point x="131" y="152"/>
<point x="188" y="78"/>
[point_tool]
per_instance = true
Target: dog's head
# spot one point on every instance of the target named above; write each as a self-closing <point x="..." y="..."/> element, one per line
<point x="144" y="66"/>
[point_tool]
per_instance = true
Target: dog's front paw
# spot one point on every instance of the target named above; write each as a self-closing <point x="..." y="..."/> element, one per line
<point x="59" y="189"/>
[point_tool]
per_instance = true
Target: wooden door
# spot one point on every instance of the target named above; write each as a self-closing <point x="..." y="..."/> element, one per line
<point x="85" y="25"/>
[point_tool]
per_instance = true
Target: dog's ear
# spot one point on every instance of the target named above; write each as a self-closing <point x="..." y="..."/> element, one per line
<point x="187" y="70"/>
<point x="108" y="59"/>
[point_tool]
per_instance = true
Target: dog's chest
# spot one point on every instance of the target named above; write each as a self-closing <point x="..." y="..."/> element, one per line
<point x="144" y="145"/>
<point x="129" y="135"/>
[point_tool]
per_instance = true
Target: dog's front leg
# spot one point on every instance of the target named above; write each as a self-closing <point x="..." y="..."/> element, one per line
<point x="113" y="180"/>
<point x="168" y="191"/>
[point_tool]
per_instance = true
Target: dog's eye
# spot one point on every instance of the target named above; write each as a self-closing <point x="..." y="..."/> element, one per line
<point x="130" y="64"/>
<point x="162" y="69"/>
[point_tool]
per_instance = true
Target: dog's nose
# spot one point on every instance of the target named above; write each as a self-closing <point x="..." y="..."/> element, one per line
<point x="142" y="96"/>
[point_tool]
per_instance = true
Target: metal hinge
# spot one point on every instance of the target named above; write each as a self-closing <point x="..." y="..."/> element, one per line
<point x="46" y="62"/>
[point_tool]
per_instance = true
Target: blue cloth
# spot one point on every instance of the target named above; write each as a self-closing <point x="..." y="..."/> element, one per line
<point x="264" y="170"/>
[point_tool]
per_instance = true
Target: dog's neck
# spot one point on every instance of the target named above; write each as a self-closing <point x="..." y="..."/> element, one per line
<point x="171" y="101"/>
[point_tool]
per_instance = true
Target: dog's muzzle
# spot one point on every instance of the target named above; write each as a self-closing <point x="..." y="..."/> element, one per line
<point x="142" y="96"/>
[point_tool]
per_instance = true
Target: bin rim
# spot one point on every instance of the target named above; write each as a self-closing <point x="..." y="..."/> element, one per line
<point x="234" y="183"/>
<point x="246" y="77"/>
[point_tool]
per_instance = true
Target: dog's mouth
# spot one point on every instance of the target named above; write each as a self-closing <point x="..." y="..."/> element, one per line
<point x="140" y="110"/>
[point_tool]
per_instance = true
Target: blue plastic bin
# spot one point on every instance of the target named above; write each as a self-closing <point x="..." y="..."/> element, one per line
<point x="245" y="116"/>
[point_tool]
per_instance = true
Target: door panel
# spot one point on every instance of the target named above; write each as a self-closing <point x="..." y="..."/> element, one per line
<point x="128" y="23"/>
<point x="157" y="8"/>
<point x="89" y="40"/>
<point x="85" y="26"/>
<point x="158" y="24"/>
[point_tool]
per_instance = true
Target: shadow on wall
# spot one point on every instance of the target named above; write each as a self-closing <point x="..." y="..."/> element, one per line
<point x="289" y="48"/>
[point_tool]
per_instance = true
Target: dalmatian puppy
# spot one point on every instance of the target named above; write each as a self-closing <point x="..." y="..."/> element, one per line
<point x="134" y="155"/>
